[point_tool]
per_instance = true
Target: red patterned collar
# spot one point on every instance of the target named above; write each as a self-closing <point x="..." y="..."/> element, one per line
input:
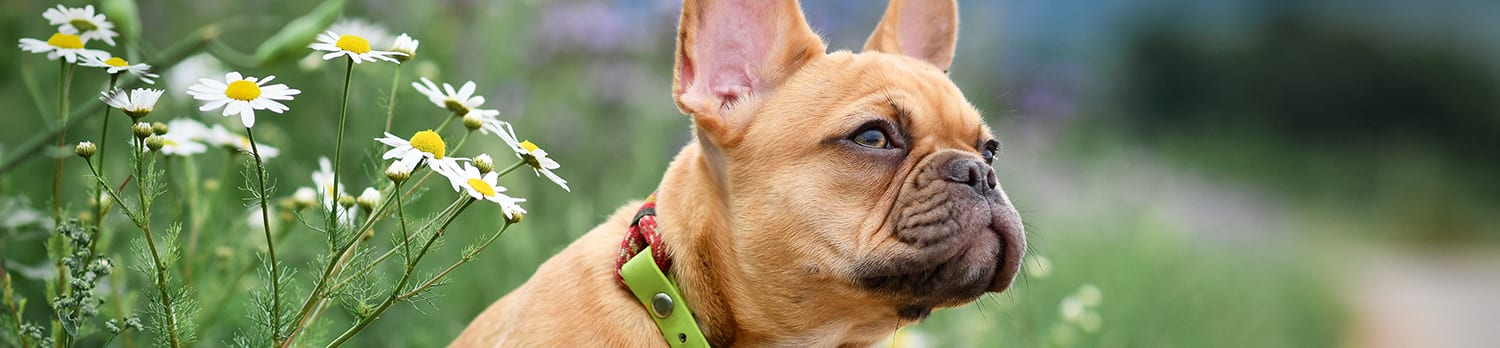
<point x="643" y="233"/>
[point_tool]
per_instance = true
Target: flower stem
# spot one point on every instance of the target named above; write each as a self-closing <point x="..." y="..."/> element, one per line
<point x="265" y="218"/>
<point x="465" y="258"/>
<point x="99" y="188"/>
<point x="338" y="149"/>
<point x="404" y="243"/>
<point x="143" y="221"/>
<point x="65" y="82"/>
<point x="315" y="298"/>
<point x="446" y="121"/>
<point x="390" y="104"/>
<point x="396" y="294"/>
<point x="512" y="168"/>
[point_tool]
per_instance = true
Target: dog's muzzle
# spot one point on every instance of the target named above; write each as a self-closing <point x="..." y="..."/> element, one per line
<point x="960" y="237"/>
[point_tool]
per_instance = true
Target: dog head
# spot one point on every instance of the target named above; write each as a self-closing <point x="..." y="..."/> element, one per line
<point x="862" y="180"/>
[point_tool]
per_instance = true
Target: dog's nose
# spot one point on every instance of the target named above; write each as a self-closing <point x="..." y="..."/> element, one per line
<point x="971" y="172"/>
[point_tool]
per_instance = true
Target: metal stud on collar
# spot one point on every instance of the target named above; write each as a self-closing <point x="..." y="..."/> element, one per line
<point x="661" y="305"/>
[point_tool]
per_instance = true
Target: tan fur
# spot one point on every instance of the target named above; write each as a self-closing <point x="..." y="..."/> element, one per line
<point x="766" y="219"/>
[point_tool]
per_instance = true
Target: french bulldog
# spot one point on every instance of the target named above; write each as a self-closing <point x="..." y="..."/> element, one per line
<point x="827" y="199"/>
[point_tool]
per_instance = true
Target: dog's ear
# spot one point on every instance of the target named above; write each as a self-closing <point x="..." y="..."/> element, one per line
<point x="922" y="29"/>
<point x="729" y="50"/>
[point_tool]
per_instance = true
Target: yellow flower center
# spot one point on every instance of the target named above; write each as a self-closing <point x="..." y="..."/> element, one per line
<point x="61" y="40"/>
<point x="83" y="25"/>
<point x="353" y="43"/>
<point x="529" y="146"/>
<point x="484" y="188"/>
<point x="429" y="142"/>
<point x="116" y="62"/>
<point x="242" y="90"/>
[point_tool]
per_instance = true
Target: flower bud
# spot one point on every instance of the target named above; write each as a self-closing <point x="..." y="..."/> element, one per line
<point x="368" y="199"/>
<point x="405" y="44"/>
<point x="484" y="163"/>
<point x="346" y="201"/>
<point x="304" y="197"/>
<point x="397" y="176"/>
<point x="155" y="143"/>
<point x="85" y="149"/>
<point x="142" y="130"/>
<point x="515" y="218"/>
<point x="472" y="121"/>
<point x="159" y="128"/>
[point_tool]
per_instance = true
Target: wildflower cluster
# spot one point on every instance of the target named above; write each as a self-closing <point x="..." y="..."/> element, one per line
<point x="1078" y="312"/>
<point x="162" y="148"/>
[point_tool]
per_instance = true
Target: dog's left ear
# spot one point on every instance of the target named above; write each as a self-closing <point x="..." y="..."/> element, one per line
<point x="922" y="29"/>
<point x="731" y="50"/>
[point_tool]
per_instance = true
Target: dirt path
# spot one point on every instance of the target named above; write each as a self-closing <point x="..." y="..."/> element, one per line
<point x="1396" y="298"/>
<point x="1428" y="300"/>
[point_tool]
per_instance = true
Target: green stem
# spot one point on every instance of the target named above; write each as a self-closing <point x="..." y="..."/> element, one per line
<point x="99" y="188"/>
<point x="390" y="107"/>
<point x="462" y="260"/>
<point x="65" y="82"/>
<point x="338" y="149"/>
<point x="265" y="218"/>
<point x="512" y="168"/>
<point x="332" y="224"/>
<point x="396" y="291"/>
<point x="143" y="221"/>
<point x="446" y="122"/>
<point x="404" y="243"/>
<point x="314" y="299"/>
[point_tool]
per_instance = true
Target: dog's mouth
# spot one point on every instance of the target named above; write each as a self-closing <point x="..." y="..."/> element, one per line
<point x="956" y="243"/>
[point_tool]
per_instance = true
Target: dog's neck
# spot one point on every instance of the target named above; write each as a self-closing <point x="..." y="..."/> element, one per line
<point x="710" y="272"/>
<point x="691" y="235"/>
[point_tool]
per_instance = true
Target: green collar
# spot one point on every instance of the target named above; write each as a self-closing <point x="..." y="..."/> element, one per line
<point x="663" y="301"/>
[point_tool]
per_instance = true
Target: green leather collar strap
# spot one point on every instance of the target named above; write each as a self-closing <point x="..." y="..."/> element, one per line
<point x="663" y="301"/>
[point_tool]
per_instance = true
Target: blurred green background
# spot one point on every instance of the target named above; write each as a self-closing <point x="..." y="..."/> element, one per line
<point x="1225" y="173"/>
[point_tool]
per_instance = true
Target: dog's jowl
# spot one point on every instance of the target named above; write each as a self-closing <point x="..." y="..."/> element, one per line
<point x="827" y="199"/>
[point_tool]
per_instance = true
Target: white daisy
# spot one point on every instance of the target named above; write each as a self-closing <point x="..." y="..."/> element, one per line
<point x="305" y="196"/>
<point x="376" y="34"/>
<point x="357" y="48"/>
<point x="328" y="191"/>
<point x="407" y="45"/>
<point x="221" y="137"/>
<point x="137" y="103"/>
<point x="82" y="22"/>
<point x="486" y="187"/>
<point x="189" y="129"/>
<point x="533" y="155"/>
<point x="67" y="46"/>
<point x="115" y="65"/>
<point x="240" y="95"/>
<point x="368" y="199"/>
<point x="180" y="144"/>
<point x="424" y="145"/>
<point x="186" y="72"/>
<point x="459" y="101"/>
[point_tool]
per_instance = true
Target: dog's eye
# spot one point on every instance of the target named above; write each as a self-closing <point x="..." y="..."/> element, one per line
<point x="875" y="138"/>
<point x="988" y="150"/>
